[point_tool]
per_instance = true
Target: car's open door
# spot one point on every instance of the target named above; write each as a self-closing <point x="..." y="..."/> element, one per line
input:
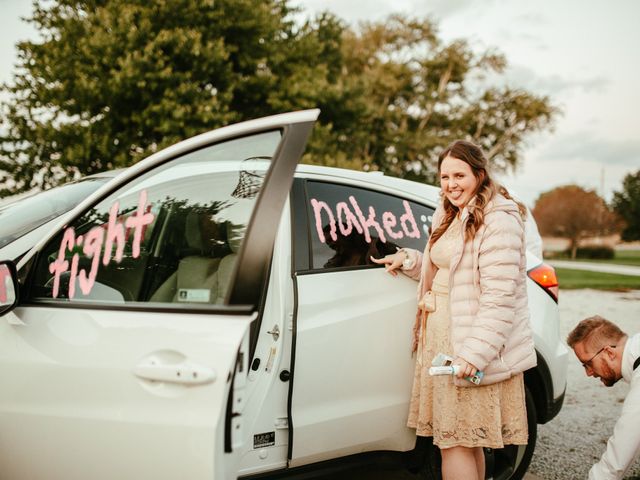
<point x="131" y="342"/>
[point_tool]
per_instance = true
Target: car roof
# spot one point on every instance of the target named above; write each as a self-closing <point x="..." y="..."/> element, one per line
<point x="420" y="191"/>
<point x="106" y="174"/>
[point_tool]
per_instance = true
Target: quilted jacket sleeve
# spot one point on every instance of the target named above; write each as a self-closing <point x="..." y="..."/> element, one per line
<point x="415" y="258"/>
<point x="499" y="266"/>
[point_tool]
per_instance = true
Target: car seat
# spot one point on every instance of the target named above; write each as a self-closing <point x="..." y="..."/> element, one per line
<point x="194" y="279"/>
<point x="235" y="235"/>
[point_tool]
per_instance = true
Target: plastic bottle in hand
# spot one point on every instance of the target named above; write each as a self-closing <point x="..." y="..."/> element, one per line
<point x="442" y="365"/>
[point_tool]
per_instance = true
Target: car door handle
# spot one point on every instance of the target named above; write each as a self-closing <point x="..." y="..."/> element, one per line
<point x="185" y="372"/>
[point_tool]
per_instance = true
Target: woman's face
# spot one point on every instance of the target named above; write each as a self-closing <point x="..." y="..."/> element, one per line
<point x="457" y="181"/>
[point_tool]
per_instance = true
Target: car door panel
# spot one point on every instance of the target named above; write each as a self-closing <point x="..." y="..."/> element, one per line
<point x="74" y="391"/>
<point x="86" y="383"/>
<point x="353" y="365"/>
<point x="354" y="368"/>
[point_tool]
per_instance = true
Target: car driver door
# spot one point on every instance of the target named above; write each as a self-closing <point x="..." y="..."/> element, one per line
<point x="127" y="353"/>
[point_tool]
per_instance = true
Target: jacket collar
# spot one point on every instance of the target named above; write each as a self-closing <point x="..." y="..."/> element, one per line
<point x="629" y="356"/>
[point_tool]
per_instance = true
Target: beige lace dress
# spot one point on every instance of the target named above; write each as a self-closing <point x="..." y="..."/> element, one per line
<point x="484" y="416"/>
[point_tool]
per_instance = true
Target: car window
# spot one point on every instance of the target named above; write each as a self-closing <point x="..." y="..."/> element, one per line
<point x="21" y="217"/>
<point x="348" y="225"/>
<point x="171" y="235"/>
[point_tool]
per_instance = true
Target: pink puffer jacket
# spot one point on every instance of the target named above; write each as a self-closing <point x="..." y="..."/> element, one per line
<point x="487" y="293"/>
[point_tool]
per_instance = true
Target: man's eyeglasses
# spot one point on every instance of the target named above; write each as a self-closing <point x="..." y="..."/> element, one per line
<point x="587" y="364"/>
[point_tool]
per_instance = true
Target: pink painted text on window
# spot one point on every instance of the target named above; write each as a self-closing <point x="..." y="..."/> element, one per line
<point x="115" y="233"/>
<point x="347" y="217"/>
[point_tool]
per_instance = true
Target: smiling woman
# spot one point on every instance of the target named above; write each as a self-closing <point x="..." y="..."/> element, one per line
<point x="473" y="308"/>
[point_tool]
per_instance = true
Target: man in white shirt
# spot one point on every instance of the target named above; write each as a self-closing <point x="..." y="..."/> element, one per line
<point x="607" y="353"/>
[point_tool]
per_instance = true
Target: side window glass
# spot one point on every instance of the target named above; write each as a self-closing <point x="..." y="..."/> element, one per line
<point x="348" y="225"/>
<point x="171" y="235"/>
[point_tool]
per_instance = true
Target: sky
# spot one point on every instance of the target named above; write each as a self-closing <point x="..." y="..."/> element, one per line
<point x="581" y="53"/>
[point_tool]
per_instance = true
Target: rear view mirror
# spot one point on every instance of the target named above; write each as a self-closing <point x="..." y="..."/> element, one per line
<point x="8" y="286"/>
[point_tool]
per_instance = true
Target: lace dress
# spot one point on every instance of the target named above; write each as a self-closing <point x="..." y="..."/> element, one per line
<point x="484" y="416"/>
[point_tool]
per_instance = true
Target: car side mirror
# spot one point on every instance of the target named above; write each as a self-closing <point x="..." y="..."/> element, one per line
<point x="8" y="286"/>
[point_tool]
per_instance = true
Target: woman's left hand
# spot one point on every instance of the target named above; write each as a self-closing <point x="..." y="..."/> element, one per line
<point x="465" y="368"/>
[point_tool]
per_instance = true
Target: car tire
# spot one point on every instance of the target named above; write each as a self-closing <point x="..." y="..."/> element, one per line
<point x="425" y="460"/>
<point x="512" y="462"/>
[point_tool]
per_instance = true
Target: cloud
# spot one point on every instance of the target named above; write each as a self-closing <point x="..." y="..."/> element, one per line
<point x="448" y="8"/>
<point x="586" y="146"/>
<point x="532" y="18"/>
<point x="510" y="36"/>
<point x="553" y="85"/>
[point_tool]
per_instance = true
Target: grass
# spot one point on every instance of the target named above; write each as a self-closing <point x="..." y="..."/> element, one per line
<point x="621" y="257"/>
<point x="572" y="279"/>
<point x="627" y="257"/>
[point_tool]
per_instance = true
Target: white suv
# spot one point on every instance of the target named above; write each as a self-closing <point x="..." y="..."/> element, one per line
<point x="211" y="313"/>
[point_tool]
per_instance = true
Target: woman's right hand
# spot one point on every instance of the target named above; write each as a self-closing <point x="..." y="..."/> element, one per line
<point x="391" y="262"/>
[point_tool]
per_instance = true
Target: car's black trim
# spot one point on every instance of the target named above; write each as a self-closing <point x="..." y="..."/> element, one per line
<point x="387" y="460"/>
<point x="338" y="269"/>
<point x="229" y="415"/>
<point x="296" y="223"/>
<point x="146" y="307"/>
<point x="301" y="253"/>
<point x="292" y="365"/>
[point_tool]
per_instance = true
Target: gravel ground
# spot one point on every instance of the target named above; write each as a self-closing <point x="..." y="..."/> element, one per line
<point x="574" y="440"/>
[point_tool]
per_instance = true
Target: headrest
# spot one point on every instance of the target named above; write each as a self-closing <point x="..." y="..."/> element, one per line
<point x="235" y="236"/>
<point x="192" y="231"/>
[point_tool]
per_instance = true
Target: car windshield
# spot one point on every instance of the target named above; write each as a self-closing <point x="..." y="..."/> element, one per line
<point x="21" y="217"/>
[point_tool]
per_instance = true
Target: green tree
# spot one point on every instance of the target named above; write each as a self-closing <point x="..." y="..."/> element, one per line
<point x="574" y="213"/>
<point x="414" y="94"/>
<point x="112" y="81"/>
<point x="626" y="203"/>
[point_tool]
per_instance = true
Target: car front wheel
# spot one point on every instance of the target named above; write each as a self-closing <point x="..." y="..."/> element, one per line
<point x="512" y="462"/>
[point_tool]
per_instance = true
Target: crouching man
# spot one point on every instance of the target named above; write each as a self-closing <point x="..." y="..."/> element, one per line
<point x="607" y="353"/>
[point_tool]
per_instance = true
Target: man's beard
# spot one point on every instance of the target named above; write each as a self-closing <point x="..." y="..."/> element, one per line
<point x="608" y="377"/>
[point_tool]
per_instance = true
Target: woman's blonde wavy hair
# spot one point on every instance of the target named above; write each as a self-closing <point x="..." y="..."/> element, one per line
<point x="487" y="188"/>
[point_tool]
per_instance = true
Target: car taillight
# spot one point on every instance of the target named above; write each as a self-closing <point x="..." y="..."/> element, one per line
<point x="545" y="276"/>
